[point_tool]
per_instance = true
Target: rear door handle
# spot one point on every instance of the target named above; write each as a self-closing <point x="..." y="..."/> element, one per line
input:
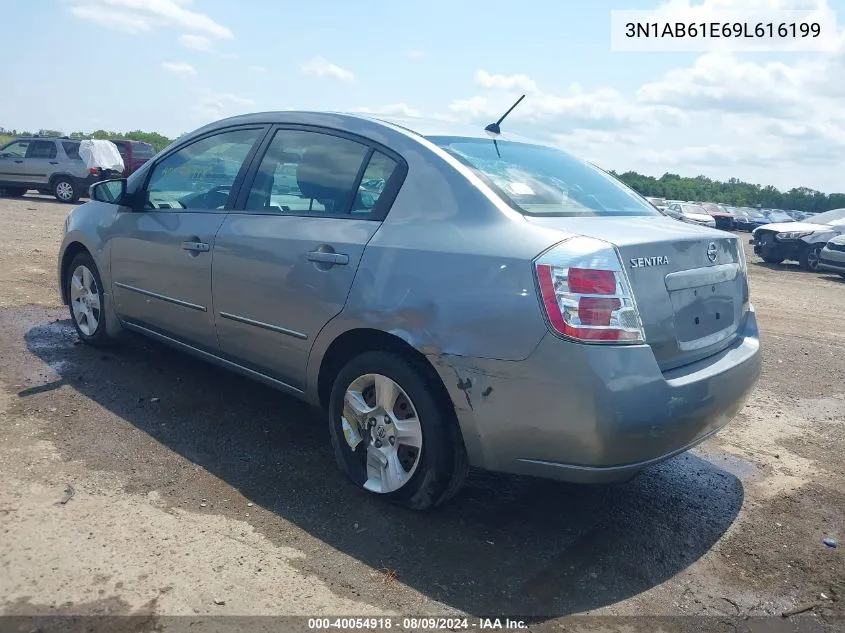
<point x="339" y="259"/>
<point x="199" y="247"/>
<point x="54" y="162"/>
<point x="18" y="161"/>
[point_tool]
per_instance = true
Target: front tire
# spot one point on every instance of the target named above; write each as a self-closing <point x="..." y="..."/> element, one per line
<point x="66" y="190"/>
<point x="810" y="257"/>
<point x="391" y="435"/>
<point x="86" y="301"/>
<point x="771" y="260"/>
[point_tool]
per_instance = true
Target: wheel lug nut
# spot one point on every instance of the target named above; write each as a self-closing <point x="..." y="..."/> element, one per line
<point x="392" y="440"/>
<point x="377" y="443"/>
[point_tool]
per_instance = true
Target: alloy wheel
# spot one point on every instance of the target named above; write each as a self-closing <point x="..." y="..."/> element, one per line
<point x="64" y="190"/>
<point x="85" y="301"/>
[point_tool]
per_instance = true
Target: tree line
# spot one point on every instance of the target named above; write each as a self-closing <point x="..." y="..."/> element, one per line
<point x="158" y="141"/>
<point x="734" y="192"/>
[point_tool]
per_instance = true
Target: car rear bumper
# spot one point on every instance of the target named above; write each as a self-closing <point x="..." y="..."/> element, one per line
<point x="594" y="413"/>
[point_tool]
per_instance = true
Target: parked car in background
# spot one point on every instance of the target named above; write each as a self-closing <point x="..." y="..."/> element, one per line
<point x="832" y="256"/>
<point x="692" y="214"/>
<point x="724" y="220"/>
<point x="504" y="305"/>
<point x="776" y="215"/>
<point x="748" y="219"/>
<point x="659" y="203"/>
<point x="797" y="215"/>
<point x="50" y="165"/>
<point x="798" y="241"/>
<point x="134" y="154"/>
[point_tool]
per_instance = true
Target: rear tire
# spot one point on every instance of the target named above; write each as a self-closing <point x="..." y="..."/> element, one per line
<point x="358" y="416"/>
<point x="65" y="190"/>
<point x="771" y="260"/>
<point x="810" y="257"/>
<point x="86" y="300"/>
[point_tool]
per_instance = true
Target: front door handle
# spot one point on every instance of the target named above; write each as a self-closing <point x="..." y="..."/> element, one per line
<point x="199" y="247"/>
<point x="338" y="259"/>
<point x="54" y="162"/>
<point x="18" y="161"/>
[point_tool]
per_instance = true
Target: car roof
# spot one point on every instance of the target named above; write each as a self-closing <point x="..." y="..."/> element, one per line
<point x="420" y="126"/>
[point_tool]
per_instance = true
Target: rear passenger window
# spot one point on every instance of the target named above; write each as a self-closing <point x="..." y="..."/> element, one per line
<point x="71" y="149"/>
<point x="310" y="173"/>
<point x="379" y="170"/>
<point x="41" y="149"/>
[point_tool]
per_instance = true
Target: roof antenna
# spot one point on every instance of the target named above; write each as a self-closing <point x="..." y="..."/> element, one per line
<point x="494" y="128"/>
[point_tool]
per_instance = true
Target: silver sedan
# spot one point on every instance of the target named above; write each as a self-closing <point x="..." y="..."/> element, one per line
<point x="451" y="296"/>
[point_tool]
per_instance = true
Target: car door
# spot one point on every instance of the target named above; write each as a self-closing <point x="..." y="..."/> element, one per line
<point x="161" y="252"/>
<point x="286" y="256"/>
<point x="12" y="158"/>
<point x="40" y="162"/>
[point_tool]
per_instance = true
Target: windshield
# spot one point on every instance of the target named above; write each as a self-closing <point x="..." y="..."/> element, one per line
<point x="837" y="216"/>
<point x="780" y="216"/>
<point x="693" y="208"/>
<point x="538" y="180"/>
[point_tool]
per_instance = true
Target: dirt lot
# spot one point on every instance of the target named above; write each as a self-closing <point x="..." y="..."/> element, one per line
<point x="143" y="481"/>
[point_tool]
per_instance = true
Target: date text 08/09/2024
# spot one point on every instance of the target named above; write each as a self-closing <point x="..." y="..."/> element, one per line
<point x="722" y="29"/>
<point x="417" y="623"/>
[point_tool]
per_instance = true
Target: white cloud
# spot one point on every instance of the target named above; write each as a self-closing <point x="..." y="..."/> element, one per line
<point x="179" y="68"/>
<point x="321" y="67"/>
<point x="217" y="106"/>
<point x="140" y="15"/>
<point x="393" y="109"/>
<point x="505" y="82"/>
<point x="195" y="42"/>
<point x="602" y="108"/>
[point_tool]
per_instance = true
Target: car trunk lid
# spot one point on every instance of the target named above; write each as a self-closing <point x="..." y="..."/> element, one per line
<point x="689" y="281"/>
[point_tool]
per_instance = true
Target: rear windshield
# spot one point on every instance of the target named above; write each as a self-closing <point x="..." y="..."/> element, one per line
<point x="694" y="208"/>
<point x="538" y="180"/>
<point x="142" y="150"/>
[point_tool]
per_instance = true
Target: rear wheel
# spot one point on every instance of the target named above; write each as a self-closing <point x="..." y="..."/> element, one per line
<point x="65" y="190"/>
<point x="771" y="260"/>
<point x="810" y="257"/>
<point x="390" y="433"/>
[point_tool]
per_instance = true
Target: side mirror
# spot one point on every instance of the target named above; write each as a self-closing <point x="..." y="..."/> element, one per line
<point x="110" y="191"/>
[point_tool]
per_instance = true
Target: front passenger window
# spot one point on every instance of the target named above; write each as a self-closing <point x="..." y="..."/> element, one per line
<point x="202" y="174"/>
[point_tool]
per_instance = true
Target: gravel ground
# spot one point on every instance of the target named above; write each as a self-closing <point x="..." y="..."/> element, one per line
<point x="142" y="481"/>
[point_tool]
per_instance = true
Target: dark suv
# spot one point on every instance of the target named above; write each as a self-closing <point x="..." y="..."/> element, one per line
<point x="134" y="154"/>
<point x="50" y="165"/>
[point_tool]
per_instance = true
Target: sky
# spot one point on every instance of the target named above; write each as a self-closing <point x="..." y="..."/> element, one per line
<point x="774" y="118"/>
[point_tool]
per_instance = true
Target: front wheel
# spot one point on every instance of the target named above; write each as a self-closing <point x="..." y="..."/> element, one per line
<point x="810" y="257"/>
<point x="391" y="435"/>
<point x="65" y="190"/>
<point x="86" y="301"/>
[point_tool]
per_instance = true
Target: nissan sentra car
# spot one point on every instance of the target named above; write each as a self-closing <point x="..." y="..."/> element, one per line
<point x="449" y="298"/>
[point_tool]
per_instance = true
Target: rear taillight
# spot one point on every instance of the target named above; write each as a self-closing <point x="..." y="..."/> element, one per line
<point x="586" y="292"/>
